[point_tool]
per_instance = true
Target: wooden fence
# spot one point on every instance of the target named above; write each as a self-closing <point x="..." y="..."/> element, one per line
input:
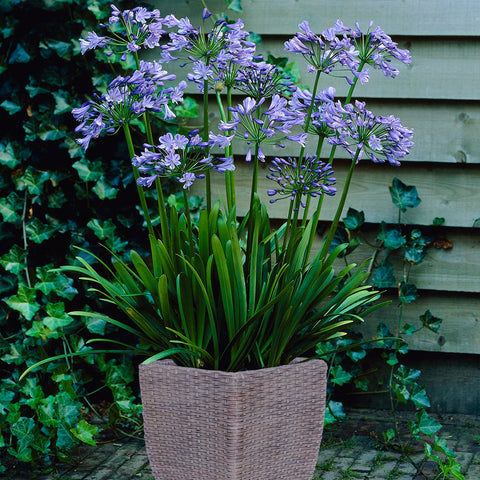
<point x="438" y="96"/>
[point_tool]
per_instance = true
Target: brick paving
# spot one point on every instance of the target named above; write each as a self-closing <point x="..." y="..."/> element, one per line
<point x="351" y="450"/>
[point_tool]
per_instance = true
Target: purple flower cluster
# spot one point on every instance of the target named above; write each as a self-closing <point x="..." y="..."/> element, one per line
<point x="126" y="99"/>
<point x="377" y="49"/>
<point x="129" y="30"/>
<point x="323" y="52"/>
<point x="312" y="177"/>
<point x="362" y="133"/>
<point x="180" y="157"/>
<point x="262" y="126"/>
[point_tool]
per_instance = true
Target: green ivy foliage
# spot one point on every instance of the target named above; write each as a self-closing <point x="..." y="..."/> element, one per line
<point x="53" y="197"/>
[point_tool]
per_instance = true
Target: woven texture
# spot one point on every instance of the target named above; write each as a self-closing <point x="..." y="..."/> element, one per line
<point x="256" y="425"/>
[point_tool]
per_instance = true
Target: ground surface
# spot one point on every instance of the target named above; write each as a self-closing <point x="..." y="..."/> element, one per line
<point x="350" y="450"/>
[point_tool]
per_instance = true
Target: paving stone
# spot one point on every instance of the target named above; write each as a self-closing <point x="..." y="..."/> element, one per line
<point x="364" y="462"/>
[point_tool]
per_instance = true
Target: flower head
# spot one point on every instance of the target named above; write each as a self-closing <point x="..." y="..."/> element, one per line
<point x="362" y="133"/>
<point x="312" y="177"/>
<point x="127" y="98"/>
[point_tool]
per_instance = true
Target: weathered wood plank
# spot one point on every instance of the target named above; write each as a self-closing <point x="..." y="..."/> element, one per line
<point x="409" y="17"/>
<point x="459" y="332"/>
<point x="443" y="132"/>
<point x="446" y="191"/>
<point x="453" y="270"/>
<point x="433" y="74"/>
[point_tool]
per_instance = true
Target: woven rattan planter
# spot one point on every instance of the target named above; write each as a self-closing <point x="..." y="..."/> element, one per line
<point x="254" y="425"/>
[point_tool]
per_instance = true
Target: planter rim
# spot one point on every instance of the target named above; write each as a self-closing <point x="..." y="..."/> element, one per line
<point x="297" y="362"/>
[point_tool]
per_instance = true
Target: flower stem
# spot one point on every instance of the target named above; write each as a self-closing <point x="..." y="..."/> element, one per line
<point x="343" y="198"/>
<point x="205" y="139"/>
<point x="189" y="220"/>
<point x="141" y="194"/>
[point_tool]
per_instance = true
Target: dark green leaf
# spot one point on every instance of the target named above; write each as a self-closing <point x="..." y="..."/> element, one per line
<point x="11" y="208"/>
<point x="418" y="396"/>
<point x="85" y="432"/>
<point x="403" y="196"/>
<point x="354" y="219"/>
<point x="8" y="156"/>
<point x="54" y="281"/>
<point x="334" y="412"/>
<point x="11" y="107"/>
<point x="62" y="49"/>
<point x="57" y="318"/>
<point x="235" y="5"/>
<point x="6" y="397"/>
<point x="15" y="260"/>
<point x="384" y="277"/>
<point x="38" y="232"/>
<point x="104" y="190"/>
<point x="339" y="376"/>
<point x="32" y="180"/>
<point x="425" y="424"/>
<point x="438" y="221"/>
<point x="391" y="237"/>
<point x="188" y="108"/>
<point x="102" y="229"/>
<point x="430" y="321"/>
<point x="24" y="302"/>
<point x="88" y="171"/>
<point x="407" y="292"/>
<point x="19" y="55"/>
<point x="62" y="104"/>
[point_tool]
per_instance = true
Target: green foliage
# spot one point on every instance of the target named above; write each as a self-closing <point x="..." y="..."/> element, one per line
<point x="402" y="247"/>
<point x="52" y="197"/>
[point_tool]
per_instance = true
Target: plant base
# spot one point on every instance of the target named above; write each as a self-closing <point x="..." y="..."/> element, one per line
<point x="254" y="425"/>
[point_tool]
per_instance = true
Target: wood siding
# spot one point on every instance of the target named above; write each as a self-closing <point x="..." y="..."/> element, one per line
<point x="438" y="96"/>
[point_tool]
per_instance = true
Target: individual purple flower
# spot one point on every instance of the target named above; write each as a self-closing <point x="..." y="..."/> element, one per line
<point x="93" y="41"/>
<point x="311" y="177"/>
<point x="364" y="134"/>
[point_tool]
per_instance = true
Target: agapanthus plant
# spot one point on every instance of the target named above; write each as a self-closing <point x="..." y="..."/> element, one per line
<point x="234" y="293"/>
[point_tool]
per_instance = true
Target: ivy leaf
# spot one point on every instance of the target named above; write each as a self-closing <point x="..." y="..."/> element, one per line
<point x="440" y="445"/>
<point x="354" y="219"/>
<point x="57" y="318"/>
<point x="102" y="229"/>
<point x="95" y="325"/>
<point x="334" y="412"/>
<point x="188" y="108"/>
<point x="38" y="232"/>
<point x="50" y="133"/>
<point x="391" y="237"/>
<point x="425" y="424"/>
<point x="437" y="221"/>
<point x="19" y="55"/>
<point x="23" y="430"/>
<point x="414" y="255"/>
<point x="24" y="302"/>
<point x="54" y="281"/>
<point x="8" y="156"/>
<point x="11" y="107"/>
<point x="32" y="180"/>
<point x="339" y="376"/>
<point x="85" y="432"/>
<point x="62" y="104"/>
<point x="407" y="292"/>
<point x="403" y="196"/>
<point x="88" y="171"/>
<point x="418" y="396"/>
<point x="235" y="5"/>
<point x="104" y="190"/>
<point x="10" y="208"/>
<point x="16" y="356"/>
<point x="6" y="397"/>
<point x="384" y="277"/>
<point x="62" y="49"/>
<point x="67" y="408"/>
<point x="430" y="321"/>
<point x="15" y="260"/>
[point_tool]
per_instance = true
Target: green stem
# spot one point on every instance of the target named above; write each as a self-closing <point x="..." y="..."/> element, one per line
<point x="141" y="194"/>
<point x="208" y="185"/>
<point x="189" y="220"/>
<point x="343" y="198"/>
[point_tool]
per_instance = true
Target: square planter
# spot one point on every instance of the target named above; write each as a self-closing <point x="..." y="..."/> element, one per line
<point x="252" y="425"/>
